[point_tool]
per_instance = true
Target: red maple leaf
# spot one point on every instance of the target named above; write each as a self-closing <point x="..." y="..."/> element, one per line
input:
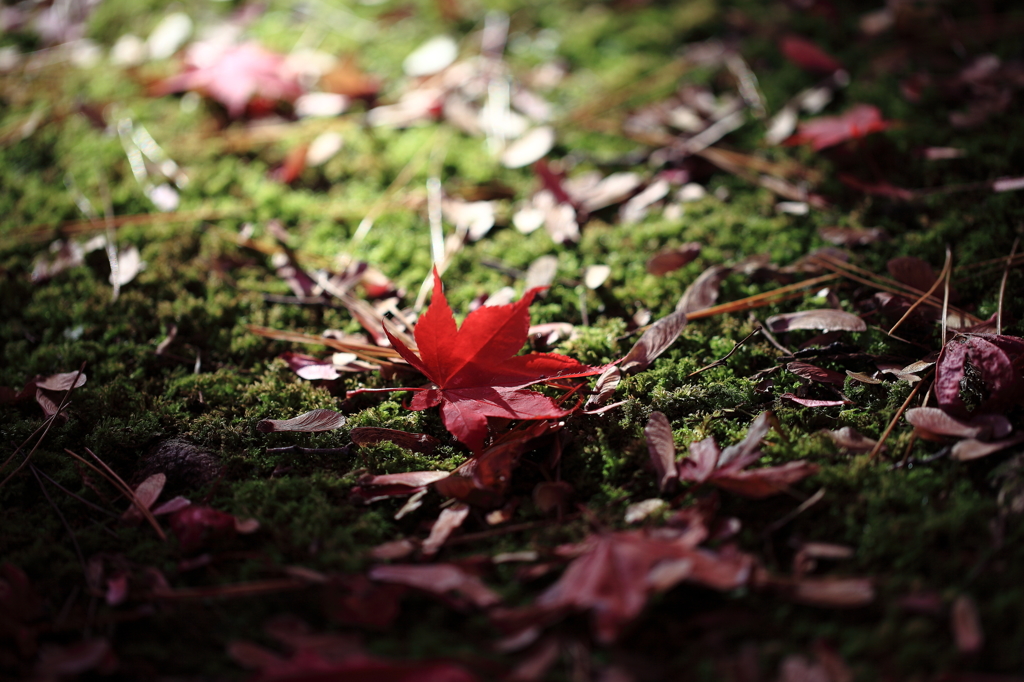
<point x="475" y="370"/>
<point x="828" y="131"/>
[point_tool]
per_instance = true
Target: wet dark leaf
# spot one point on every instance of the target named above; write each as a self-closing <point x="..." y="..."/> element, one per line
<point x="662" y="448"/>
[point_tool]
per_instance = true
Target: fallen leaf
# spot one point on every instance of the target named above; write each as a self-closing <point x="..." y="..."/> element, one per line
<point x="474" y="368"/>
<point x="995" y="359"/>
<point x="437" y="579"/>
<point x="847" y="236"/>
<point x="531" y="147"/>
<point x="235" y="76"/>
<point x="811" y="402"/>
<point x="807" y="55"/>
<point x="198" y="526"/>
<point x="966" y="625"/>
<point x="814" y="373"/>
<point x="313" y="421"/>
<point x="703" y="291"/>
<point x="655" y="341"/>
<point x="662" y="449"/>
<point x="912" y="271"/>
<point x="932" y="420"/>
<point x="828" y="131"/>
<point x="372" y="488"/>
<point x="145" y="494"/>
<point x="725" y="468"/>
<point x="851" y="440"/>
<point x="449" y="520"/>
<point x="310" y="368"/>
<point x="615" y="574"/>
<point x="666" y="261"/>
<point x="971" y="448"/>
<point x="416" y="442"/>
<point x="825" y="319"/>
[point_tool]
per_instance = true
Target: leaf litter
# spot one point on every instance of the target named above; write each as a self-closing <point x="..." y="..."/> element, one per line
<point x="502" y="458"/>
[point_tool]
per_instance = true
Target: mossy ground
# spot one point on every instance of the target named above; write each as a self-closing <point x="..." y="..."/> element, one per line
<point x="934" y="527"/>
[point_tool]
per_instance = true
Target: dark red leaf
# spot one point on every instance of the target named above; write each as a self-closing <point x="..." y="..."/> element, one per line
<point x="828" y="131"/>
<point x="703" y="291"/>
<point x="309" y="367"/>
<point x="373" y="488"/>
<point x="808" y="56"/>
<point x="814" y="373"/>
<point x="662" y="448"/>
<point x="437" y="579"/>
<point x="615" y="573"/>
<point x="934" y="421"/>
<point x="664" y="262"/>
<point x="912" y="271"/>
<point x="996" y="357"/>
<point x="196" y="527"/>
<point x="313" y="421"/>
<point x="655" y="341"/>
<point x="447" y="522"/>
<point x="371" y="435"/>
<point x="725" y="468"/>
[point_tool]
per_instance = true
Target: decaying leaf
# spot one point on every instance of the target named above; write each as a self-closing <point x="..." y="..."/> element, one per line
<point x="666" y="261"/>
<point x="933" y="421"/>
<point x="313" y="421"/>
<point x="703" y="291"/>
<point x="662" y="449"/>
<point x="825" y="319"/>
<point x="828" y="131"/>
<point x="812" y="402"/>
<point x="655" y="341"/>
<point x="615" y="574"/>
<point x="815" y="373"/>
<point x="438" y="579"/>
<point x="725" y="468"/>
<point x="371" y="435"/>
<point x="993" y="359"/>
<point x="372" y="488"/>
<point x="851" y="440"/>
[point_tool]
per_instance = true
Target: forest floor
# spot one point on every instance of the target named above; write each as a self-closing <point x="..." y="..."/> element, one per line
<point x="219" y="222"/>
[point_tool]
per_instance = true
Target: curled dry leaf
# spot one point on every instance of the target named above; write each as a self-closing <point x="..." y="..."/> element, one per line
<point x="825" y="319"/>
<point x="725" y="468"/>
<point x="145" y="495"/>
<point x="814" y="373"/>
<point x="313" y="421"/>
<point x="936" y="422"/>
<point x="604" y="387"/>
<point x="848" y="236"/>
<point x="61" y="382"/>
<point x="449" y="520"/>
<point x="658" y="337"/>
<point x="438" y="579"/>
<point x="966" y="625"/>
<point x="668" y="260"/>
<point x="662" y="449"/>
<point x="372" y="488"/>
<point x="615" y="573"/>
<point x="912" y="271"/>
<point x="309" y="367"/>
<point x="828" y="131"/>
<point x="971" y="448"/>
<point x="849" y="439"/>
<point x="994" y="360"/>
<point x="807" y="55"/>
<point x="703" y="291"/>
<point x="416" y="442"/>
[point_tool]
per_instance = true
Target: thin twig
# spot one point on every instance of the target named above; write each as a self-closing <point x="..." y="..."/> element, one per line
<point x="945" y="300"/>
<point x="804" y="506"/>
<point x="1002" y="287"/>
<point x="77" y="497"/>
<point x="721" y="360"/>
<point x="48" y="423"/>
<point x="67" y="527"/>
<point x="758" y="300"/>
<point x="116" y="481"/>
<point x="938" y="280"/>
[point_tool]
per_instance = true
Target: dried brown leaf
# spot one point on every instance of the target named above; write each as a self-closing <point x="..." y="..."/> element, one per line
<point x="662" y="449"/>
<point x="825" y="319"/>
<point x="313" y="421"/>
<point x="703" y="291"/>
<point x="416" y="442"/>
<point x="658" y="337"/>
<point x="814" y="373"/>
